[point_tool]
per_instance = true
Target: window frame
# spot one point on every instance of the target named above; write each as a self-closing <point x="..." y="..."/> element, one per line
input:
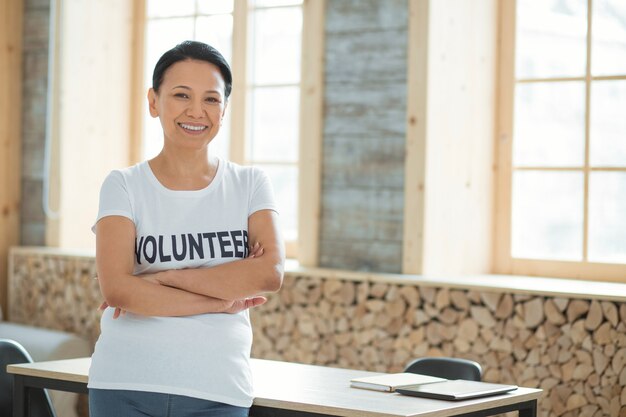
<point x="504" y="262"/>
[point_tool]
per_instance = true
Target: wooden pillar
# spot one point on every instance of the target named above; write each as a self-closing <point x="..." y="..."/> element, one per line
<point x="11" y="17"/>
<point x="311" y="132"/>
<point x="450" y="133"/>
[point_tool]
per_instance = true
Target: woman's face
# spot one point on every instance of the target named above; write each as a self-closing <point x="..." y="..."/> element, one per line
<point x="190" y="103"/>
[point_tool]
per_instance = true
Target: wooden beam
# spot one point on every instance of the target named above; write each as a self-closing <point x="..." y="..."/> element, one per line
<point x="138" y="94"/>
<point x="415" y="163"/>
<point x="504" y="135"/>
<point x="311" y="132"/>
<point x="595" y="271"/>
<point x="238" y="98"/>
<point x="11" y="22"/>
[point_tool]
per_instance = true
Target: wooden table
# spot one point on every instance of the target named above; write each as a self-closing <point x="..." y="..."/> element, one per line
<point x="291" y="389"/>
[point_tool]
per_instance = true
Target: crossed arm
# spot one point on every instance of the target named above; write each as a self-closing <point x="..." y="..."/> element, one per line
<point x="228" y="287"/>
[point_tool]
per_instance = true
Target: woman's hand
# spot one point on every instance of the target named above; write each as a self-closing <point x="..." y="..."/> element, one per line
<point x="255" y="251"/>
<point x="240" y="305"/>
<point x="118" y="311"/>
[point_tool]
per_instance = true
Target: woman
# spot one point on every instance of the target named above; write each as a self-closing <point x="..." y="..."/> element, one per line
<point x="173" y="253"/>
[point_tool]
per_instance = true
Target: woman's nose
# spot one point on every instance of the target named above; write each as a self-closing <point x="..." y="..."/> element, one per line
<point x="195" y="109"/>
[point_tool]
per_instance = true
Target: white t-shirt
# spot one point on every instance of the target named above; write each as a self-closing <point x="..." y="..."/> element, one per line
<point x="203" y="356"/>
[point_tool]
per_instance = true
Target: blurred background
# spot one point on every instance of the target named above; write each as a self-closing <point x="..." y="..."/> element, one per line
<point x="436" y="164"/>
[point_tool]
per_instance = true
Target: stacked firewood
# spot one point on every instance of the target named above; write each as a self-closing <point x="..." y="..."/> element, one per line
<point x="55" y="292"/>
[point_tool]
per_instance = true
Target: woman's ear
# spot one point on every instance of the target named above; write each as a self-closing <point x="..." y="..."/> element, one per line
<point x="152" y="103"/>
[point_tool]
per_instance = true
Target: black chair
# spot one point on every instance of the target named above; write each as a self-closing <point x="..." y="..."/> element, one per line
<point x="39" y="402"/>
<point x="449" y="368"/>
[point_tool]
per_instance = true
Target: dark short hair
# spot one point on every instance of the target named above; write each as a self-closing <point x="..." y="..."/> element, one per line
<point x="192" y="50"/>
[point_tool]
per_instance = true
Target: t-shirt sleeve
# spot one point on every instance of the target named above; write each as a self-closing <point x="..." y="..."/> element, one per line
<point x="262" y="197"/>
<point x="114" y="198"/>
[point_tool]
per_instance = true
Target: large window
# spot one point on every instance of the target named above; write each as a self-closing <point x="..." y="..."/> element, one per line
<point x="262" y="41"/>
<point x="563" y="139"/>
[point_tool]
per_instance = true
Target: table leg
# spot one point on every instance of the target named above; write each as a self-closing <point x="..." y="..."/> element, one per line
<point x="530" y="409"/>
<point x="20" y="397"/>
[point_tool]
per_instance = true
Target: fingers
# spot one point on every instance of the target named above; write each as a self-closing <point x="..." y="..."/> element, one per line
<point x="255" y="301"/>
<point x="118" y="311"/>
<point x="245" y="303"/>
<point x="259" y="301"/>
<point x="255" y="251"/>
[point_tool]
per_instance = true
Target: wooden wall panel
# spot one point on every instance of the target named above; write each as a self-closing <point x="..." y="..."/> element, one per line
<point x="379" y="216"/>
<point x="368" y="15"/>
<point x="34" y="116"/>
<point x="364" y="130"/>
<point x="460" y="135"/>
<point x="380" y="162"/>
<point x="11" y="20"/>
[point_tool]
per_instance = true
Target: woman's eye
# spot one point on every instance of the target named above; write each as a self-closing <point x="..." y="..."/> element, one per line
<point x="212" y="100"/>
<point x="181" y="95"/>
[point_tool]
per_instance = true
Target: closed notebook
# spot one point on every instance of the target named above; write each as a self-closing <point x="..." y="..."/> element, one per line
<point x="456" y="390"/>
<point x="390" y="382"/>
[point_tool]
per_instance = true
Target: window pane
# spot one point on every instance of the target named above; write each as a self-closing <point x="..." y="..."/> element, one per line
<point x="276" y="51"/>
<point x="551" y="38"/>
<point x="274" y="131"/>
<point x="549" y="124"/>
<point x="607" y="217"/>
<point x="547" y="215"/>
<point x="609" y="37"/>
<point x="608" y="123"/>
<point x="215" y="6"/>
<point x="162" y="35"/>
<point x="217" y="31"/>
<point x="169" y="8"/>
<point x="285" y="182"/>
<point x="272" y="3"/>
<point x="153" y="136"/>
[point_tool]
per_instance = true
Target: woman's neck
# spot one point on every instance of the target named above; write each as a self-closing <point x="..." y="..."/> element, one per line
<point x="184" y="171"/>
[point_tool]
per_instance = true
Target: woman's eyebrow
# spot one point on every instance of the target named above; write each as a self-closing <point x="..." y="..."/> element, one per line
<point x="189" y="88"/>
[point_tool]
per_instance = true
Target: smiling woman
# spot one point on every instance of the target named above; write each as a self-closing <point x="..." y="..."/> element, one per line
<point x="192" y="294"/>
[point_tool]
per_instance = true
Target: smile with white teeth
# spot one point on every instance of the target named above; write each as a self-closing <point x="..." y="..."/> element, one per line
<point x="190" y="127"/>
